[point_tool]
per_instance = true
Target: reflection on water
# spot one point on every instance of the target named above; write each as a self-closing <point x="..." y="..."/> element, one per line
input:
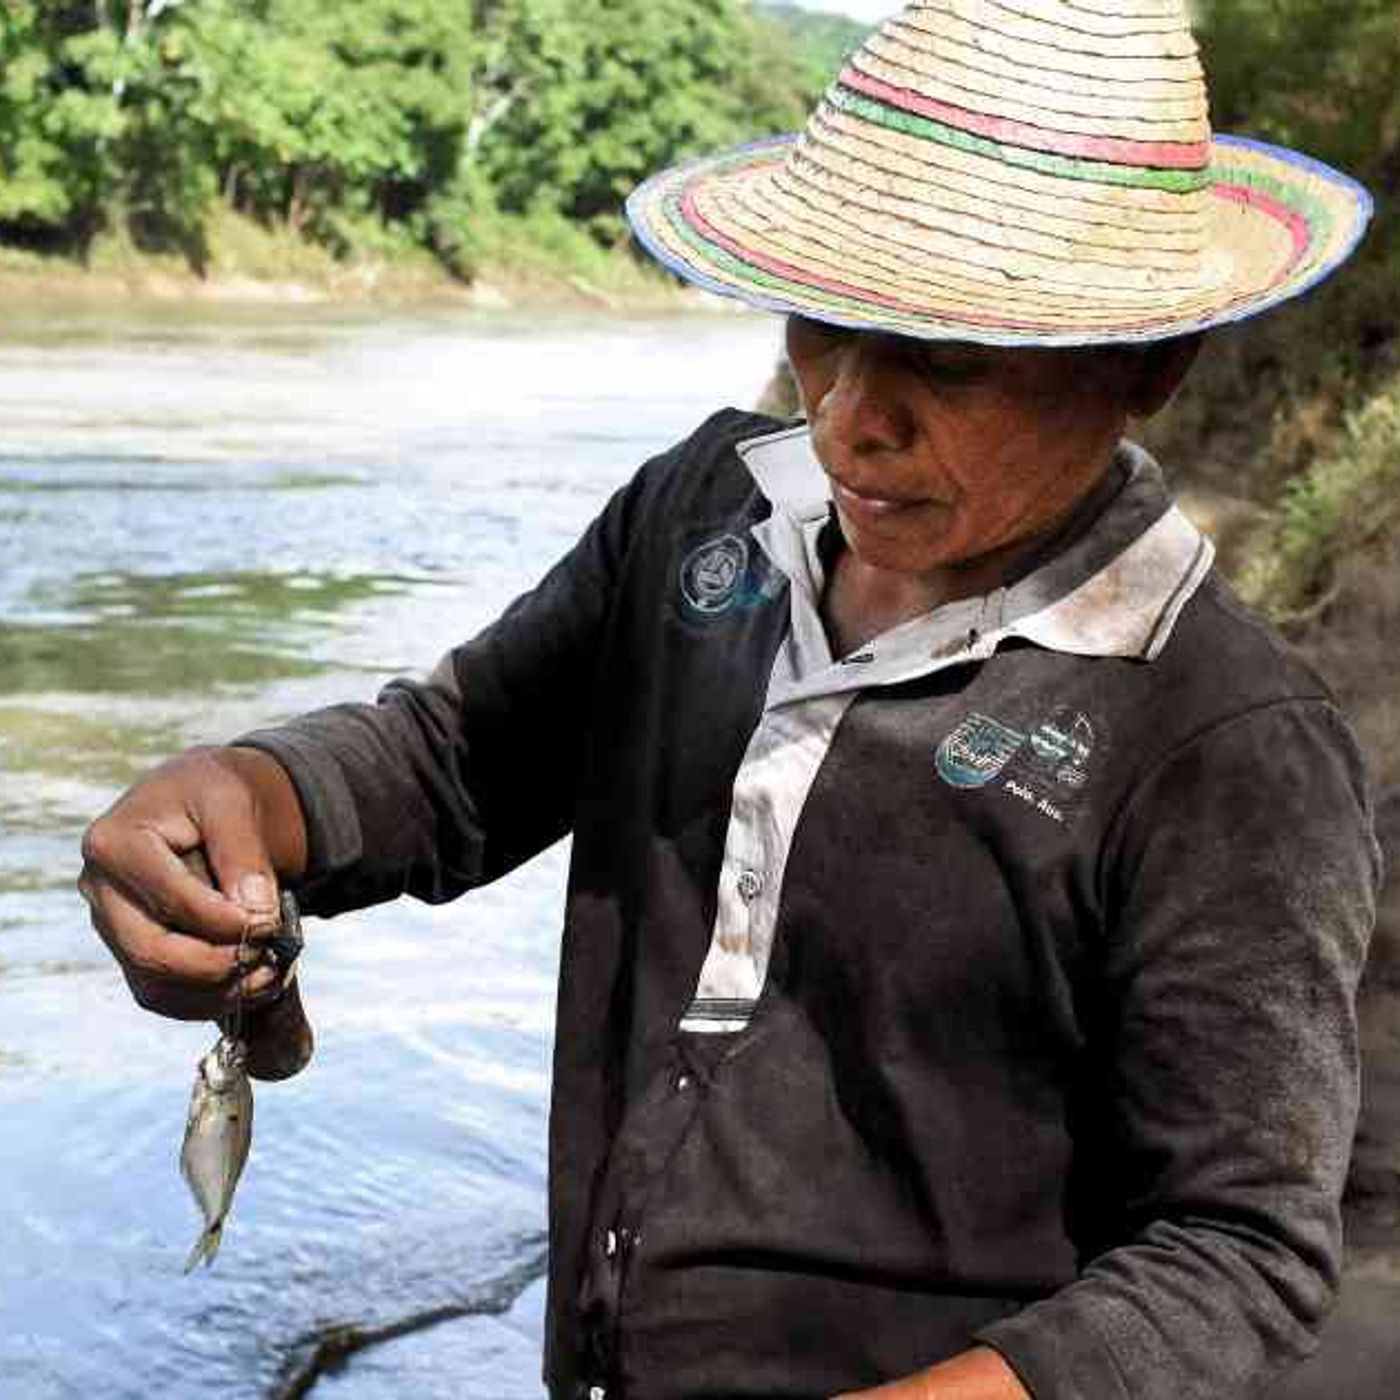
<point x="161" y="633"/>
<point x="207" y="522"/>
<point x="119" y="481"/>
<point x="263" y="599"/>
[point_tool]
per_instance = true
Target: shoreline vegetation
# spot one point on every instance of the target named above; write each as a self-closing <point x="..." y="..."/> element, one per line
<point x="251" y="266"/>
<point x="287" y="150"/>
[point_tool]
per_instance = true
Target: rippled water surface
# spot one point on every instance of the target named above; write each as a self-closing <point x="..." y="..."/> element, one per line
<point x="207" y="522"/>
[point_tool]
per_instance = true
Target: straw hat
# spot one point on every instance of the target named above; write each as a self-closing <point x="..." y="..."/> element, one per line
<point x="1014" y="172"/>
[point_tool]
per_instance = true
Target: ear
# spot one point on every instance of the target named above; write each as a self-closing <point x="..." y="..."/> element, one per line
<point x="1160" y="370"/>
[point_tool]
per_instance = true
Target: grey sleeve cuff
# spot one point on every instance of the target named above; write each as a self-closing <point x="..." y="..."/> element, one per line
<point x="1057" y="1354"/>
<point x="334" y="840"/>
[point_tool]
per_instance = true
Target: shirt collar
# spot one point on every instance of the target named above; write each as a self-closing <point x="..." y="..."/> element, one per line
<point x="788" y="473"/>
<point x="1114" y="586"/>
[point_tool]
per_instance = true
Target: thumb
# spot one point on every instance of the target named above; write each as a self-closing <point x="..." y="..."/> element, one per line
<point x="239" y="861"/>
<point x="256" y="891"/>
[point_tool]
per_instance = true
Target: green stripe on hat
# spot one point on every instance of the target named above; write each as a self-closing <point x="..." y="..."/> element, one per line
<point x="1066" y="167"/>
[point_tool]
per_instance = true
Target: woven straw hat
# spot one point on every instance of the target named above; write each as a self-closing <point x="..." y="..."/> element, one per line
<point x="1012" y="172"/>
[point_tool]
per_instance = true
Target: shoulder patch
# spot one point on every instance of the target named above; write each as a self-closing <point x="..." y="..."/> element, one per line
<point x="725" y="573"/>
<point x="713" y="573"/>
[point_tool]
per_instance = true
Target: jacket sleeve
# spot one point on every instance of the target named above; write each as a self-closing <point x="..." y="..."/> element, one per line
<point x="1240" y="879"/>
<point x="447" y="783"/>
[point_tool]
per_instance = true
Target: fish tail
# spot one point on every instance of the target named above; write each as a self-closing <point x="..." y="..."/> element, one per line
<point x="205" y="1247"/>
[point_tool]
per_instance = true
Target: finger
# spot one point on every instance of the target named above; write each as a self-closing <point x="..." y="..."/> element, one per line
<point x="251" y="952"/>
<point x="177" y="1001"/>
<point x="140" y="860"/>
<point x="239" y="859"/>
<point x="150" y="950"/>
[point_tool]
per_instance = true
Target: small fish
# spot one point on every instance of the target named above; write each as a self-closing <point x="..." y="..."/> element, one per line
<point x="217" y="1137"/>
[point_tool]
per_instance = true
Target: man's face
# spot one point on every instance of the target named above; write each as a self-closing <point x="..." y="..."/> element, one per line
<point x="942" y="454"/>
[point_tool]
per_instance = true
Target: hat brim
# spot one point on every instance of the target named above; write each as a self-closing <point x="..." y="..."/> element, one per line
<point x="1279" y="223"/>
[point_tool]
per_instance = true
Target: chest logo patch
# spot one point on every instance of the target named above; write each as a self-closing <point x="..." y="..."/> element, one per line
<point x="712" y="575"/>
<point x="977" y="751"/>
<point x="1062" y="747"/>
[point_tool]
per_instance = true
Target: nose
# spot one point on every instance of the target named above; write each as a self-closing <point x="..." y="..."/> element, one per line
<point x="865" y="409"/>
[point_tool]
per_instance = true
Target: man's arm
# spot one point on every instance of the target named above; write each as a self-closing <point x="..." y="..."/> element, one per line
<point x="440" y="785"/>
<point x="357" y="804"/>
<point x="1240" y="881"/>
<point x="1212" y="1143"/>
<point x="447" y="783"/>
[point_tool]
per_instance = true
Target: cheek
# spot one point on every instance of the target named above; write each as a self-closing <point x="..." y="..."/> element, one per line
<point x="1037" y="452"/>
<point x="813" y="382"/>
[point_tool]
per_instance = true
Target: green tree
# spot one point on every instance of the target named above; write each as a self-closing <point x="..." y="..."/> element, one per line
<point x="1323" y="75"/>
<point x="367" y="119"/>
<point x="94" y="122"/>
<point x="34" y="193"/>
<point x="626" y="87"/>
<point x="322" y="111"/>
<point x="820" y="41"/>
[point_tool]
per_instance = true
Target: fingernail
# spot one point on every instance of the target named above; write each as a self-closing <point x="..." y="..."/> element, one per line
<point x="250" y="955"/>
<point x="256" y="894"/>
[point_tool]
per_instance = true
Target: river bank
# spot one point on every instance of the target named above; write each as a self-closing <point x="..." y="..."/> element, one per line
<point x="526" y="264"/>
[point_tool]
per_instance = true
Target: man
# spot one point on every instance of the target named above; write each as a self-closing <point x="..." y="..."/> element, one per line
<point x="968" y="899"/>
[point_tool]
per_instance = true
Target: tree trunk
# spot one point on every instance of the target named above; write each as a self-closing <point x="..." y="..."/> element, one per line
<point x="479" y="127"/>
<point x="296" y="200"/>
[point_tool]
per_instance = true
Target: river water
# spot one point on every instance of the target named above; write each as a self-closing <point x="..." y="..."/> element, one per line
<point x="207" y="522"/>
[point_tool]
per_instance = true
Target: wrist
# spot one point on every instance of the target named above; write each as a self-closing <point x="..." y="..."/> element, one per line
<point x="277" y="808"/>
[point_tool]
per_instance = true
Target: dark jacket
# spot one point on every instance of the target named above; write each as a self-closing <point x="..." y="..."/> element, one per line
<point x="1054" y="1044"/>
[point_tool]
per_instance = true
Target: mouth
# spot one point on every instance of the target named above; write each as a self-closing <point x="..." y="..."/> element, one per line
<point x="859" y="503"/>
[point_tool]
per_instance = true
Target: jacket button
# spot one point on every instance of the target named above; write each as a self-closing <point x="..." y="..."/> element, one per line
<point x="610" y="1244"/>
<point x="596" y="1392"/>
<point x="750" y="886"/>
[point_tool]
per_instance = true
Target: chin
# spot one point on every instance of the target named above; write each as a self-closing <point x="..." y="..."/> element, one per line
<point x="894" y="556"/>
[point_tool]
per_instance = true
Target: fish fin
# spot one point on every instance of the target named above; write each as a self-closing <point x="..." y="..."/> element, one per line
<point x="205" y="1247"/>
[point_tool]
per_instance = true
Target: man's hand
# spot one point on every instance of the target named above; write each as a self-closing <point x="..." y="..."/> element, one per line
<point x="979" y="1374"/>
<point x="176" y="937"/>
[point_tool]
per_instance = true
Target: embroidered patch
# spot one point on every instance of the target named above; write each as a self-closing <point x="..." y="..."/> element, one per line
<point x="977" y="751"/>
<point x="1051" y="773"/>
<point x="1062" y="746"/>
<point x="711" y="576"/>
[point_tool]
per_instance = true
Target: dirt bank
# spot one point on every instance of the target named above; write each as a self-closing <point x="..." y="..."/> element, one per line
<point x="251" y="266"/>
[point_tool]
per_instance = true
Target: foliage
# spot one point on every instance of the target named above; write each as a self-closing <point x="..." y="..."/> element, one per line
<point x="1321" y="75"/>
<point x="1290" y="410"/>
<point x="366" y="123"/>
<point x="822" y="40"/>
<point x="1341" y="504"/>
<point x="622" y="88"/>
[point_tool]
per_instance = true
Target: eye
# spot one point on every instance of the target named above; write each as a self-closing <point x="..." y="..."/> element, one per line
<point x="951" y="366"/>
